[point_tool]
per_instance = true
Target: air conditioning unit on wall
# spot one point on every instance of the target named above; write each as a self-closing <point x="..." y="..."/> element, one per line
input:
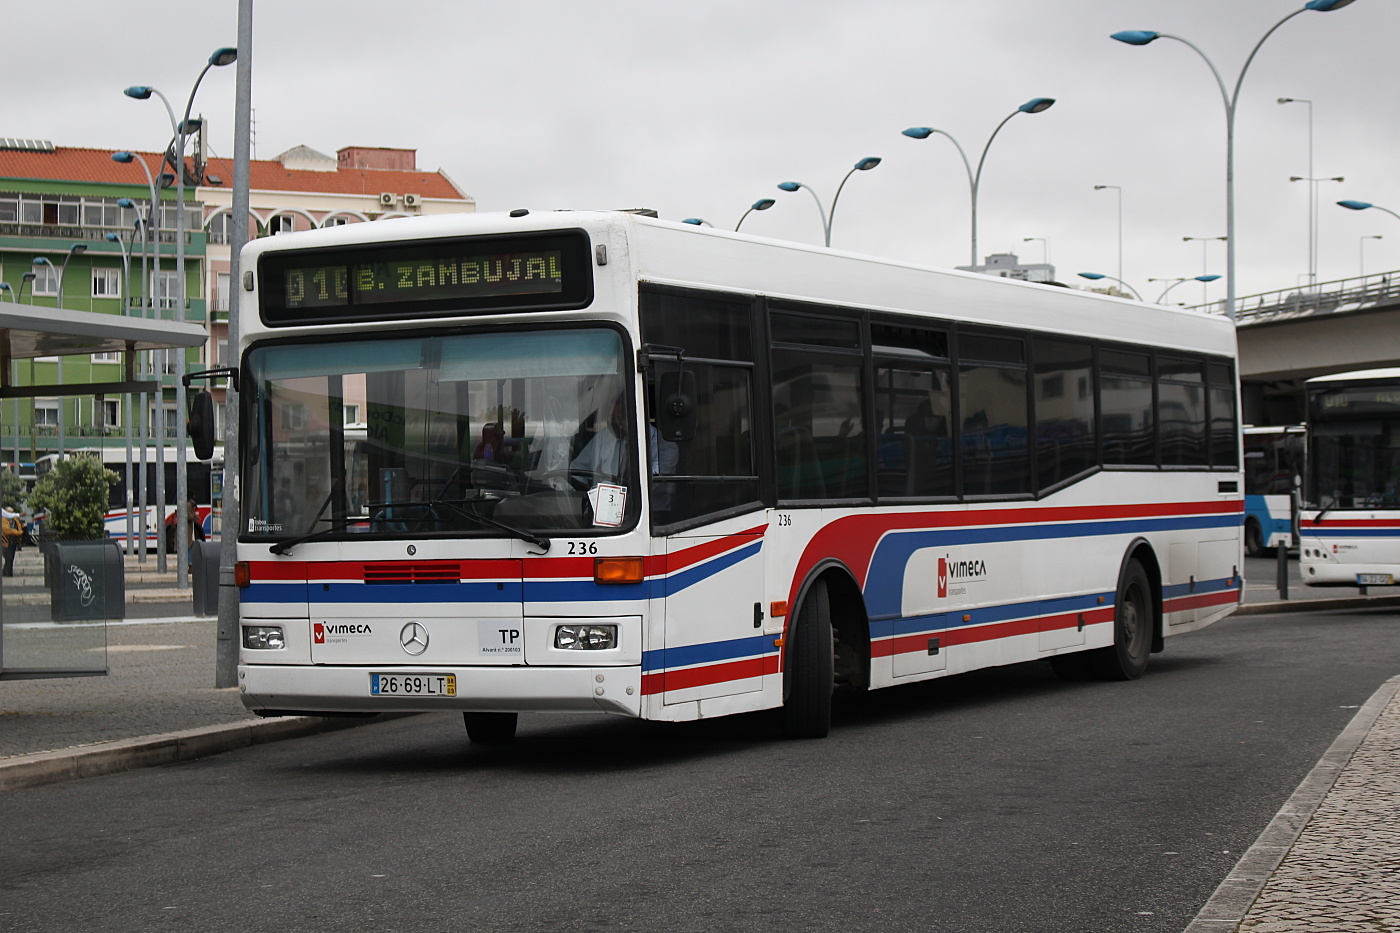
<point x="388" y="198"/>
<point x="412" y="200"/>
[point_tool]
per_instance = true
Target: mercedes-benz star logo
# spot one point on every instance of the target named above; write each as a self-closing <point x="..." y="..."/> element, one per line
<point x="413" y="638"/>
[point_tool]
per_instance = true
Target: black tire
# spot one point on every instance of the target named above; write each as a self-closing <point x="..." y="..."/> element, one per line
<point x="490" y="728"/>
<point x="1254" y="539"/>
<point x="1134" y="618"/>
<point x="810" y="672"/>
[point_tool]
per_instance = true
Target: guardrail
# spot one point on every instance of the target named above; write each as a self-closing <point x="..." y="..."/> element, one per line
<point x="1341" y="295"/>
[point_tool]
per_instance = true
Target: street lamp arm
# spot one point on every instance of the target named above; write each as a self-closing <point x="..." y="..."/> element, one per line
<point x="977" y="177"/>
<point x="1255" y="51"/>
<point x="834" y="200"/>
<point x="1219" y="81"/>
<point x="826" y="227"/>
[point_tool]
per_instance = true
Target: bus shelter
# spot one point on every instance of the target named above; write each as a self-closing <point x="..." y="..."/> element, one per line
<point x="66" y="635"/>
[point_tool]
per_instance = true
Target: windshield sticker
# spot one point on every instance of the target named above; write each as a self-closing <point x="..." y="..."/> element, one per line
<point x="609" y="503"/>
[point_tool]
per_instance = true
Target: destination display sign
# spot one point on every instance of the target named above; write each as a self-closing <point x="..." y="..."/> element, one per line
<point x="425" y="278"/>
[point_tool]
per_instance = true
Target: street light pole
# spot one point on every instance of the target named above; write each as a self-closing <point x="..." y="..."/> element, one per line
<point x="151" y="292"/>
<point x="1144" y="36"/>
<point x="1044" y="246"/>
<point x="864" y="165"/>
<point x="1118" y="189"/>
<point x="974" y="179"/>
<point x="220" y="57"/>
<point x="1362" y="248"/>
<point x="1205" y="241"/>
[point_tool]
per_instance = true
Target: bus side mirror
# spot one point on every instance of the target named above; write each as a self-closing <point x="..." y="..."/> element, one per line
<point x="200" y="426"/>
<point x="675" y="409"/>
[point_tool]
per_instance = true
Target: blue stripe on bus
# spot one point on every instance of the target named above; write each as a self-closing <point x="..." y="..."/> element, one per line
<point x="884" y="583"/>
<point x="708" y="653"/>
<point x="1350" y="532"/>
<point x="911" y="625"/>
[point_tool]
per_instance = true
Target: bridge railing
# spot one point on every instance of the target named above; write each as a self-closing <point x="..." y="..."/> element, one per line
<point x="1340" y="295"/>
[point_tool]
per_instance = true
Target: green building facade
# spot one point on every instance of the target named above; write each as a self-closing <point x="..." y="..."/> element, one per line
<point x="77" y="243"/>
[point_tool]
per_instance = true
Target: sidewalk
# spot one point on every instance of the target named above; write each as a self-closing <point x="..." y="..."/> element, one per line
<point x="1329" y="861"/>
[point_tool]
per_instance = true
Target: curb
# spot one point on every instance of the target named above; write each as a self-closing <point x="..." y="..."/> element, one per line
<point x="1316" y="605"/>
<point x="149" y="751"/>
<point x="1227" y="907"/>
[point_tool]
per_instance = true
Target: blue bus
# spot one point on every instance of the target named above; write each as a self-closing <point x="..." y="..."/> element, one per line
<point x="1273" y="461"/>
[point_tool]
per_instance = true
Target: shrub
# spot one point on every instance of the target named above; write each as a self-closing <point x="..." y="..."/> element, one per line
<point x="75" y="494"/>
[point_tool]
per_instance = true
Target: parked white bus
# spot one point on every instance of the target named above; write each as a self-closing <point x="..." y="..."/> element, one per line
<point x="204" y="483"/>
<point x="627" y="466"/>
<point x="1350" y="533"/>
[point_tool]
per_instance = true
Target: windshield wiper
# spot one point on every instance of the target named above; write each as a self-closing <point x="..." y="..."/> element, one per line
<point x="538" y="541"/>
<point x="282" y="547"/>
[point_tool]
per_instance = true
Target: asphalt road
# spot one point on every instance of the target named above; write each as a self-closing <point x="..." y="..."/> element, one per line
<point x="1000" y="801"/>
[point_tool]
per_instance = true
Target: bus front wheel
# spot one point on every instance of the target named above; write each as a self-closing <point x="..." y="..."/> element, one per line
<point x="810" y="668"/>
<point x="1133" y="624"/>
<point x="490" y="728"/>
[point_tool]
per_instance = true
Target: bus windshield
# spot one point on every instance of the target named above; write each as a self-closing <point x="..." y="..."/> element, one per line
<point x="481" y="434"/>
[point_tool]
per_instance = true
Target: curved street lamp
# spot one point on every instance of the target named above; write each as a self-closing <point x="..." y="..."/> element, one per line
<point x="697" y="221"/>
<point x="1367" y="206"/>
<point x="1146" y="36"/>
<point x="762" y="204"/>
<point x="181" y="128"/>
<point x="1177" y="281"/>
<point x="1096" y="276"/>
<point x="974" y="179"/>
<point x="864" y="165"/>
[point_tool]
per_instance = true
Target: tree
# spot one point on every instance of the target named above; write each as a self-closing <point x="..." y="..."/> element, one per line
<point x="11" y="488"/>
<point x="74" y="494"/>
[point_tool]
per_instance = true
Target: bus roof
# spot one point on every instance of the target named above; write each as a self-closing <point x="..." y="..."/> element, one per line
<point x="1361" y="375"/>
<point x="671" y="253"/>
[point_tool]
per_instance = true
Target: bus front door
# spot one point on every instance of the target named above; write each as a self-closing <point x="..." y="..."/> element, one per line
<point x="714" y="641"/>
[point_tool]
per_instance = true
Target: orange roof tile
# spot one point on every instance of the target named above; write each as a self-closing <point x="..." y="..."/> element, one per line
<point x="96" y="166"/>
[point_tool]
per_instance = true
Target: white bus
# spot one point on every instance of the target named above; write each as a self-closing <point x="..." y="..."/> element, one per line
<point x="1350" y="535"/>
<point x="204" y="482"/>
<point x="626" y="466"/>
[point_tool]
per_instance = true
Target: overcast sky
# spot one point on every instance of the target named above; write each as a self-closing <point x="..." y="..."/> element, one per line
<point x="698" y="108"/>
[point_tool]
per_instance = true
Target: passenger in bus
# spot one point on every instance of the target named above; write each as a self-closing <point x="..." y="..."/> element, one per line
<point x="490" y="445"/>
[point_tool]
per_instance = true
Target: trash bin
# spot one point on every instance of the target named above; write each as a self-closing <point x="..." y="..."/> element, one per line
<point x="87" y="580"/>
<point x="206" y="578"/>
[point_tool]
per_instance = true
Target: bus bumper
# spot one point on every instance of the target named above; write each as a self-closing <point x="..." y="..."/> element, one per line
<point x="298" y="689"/>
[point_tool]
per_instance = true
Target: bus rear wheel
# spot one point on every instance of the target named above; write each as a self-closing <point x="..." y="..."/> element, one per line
<point x="1134" y="620"/>
<point x="810" y="668"/>
<point x="490" y="728"/>
<point x="1253" y="539"/>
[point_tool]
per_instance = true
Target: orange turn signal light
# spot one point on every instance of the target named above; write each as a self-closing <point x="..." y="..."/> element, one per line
<point x="242" y="577"/>
<point x="777" y="608"/>
<point x="617" y="570"/>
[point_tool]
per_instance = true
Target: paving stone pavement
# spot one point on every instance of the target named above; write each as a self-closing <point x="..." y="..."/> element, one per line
<point x="1343" y="872"/>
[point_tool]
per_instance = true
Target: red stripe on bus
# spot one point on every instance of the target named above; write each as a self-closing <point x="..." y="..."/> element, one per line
<point x="972" y="634"/>
<point x="1202" y="601"/>
<point x="852" y="539"/>
<point x="710" y="674"/>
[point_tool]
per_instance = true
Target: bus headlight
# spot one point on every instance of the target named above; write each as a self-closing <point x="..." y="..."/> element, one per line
<point x="586" y="637"/>
<point x="263" y="637"/>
